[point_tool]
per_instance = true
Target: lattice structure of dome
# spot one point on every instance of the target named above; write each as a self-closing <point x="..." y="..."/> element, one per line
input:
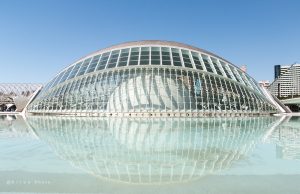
<point x="152" y="78"/>
<point x="17" y="94"/>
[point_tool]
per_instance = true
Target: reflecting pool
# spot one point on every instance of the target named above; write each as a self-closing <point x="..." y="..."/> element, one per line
<point x="42" y="154"/>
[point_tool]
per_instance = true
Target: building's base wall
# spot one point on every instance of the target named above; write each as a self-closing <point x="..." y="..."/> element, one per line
<point x="157" y="114"/>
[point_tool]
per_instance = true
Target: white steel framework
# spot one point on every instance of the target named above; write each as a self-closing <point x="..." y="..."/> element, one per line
<point x="152" y="78"/>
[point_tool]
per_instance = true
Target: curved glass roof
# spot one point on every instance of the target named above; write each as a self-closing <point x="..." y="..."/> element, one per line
<point x="153" y="53"/>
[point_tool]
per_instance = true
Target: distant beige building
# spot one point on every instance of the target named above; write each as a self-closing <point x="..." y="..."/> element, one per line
<point x="244" y="68"/>
<point x="264" y="83"/>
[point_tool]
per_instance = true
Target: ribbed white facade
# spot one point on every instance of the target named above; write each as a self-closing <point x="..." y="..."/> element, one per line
<point x="152" y="78"/>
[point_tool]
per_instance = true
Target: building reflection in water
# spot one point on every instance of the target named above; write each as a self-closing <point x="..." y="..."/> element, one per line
<point x="287" y="139"/>
<point x="151" y="150"/>
<point x="14" y="126"/>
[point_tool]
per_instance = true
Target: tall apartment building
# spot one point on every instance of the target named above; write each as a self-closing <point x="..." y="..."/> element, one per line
<point x="287" y="81"/>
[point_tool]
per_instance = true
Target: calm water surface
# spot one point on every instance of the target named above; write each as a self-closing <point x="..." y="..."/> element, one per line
<point x="43" y="154"/>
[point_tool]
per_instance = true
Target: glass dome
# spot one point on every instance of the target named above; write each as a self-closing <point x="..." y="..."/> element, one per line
<point x="152" y="78"/>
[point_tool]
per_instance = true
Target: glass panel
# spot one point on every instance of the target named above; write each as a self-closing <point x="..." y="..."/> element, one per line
<point x="87" y="82"/>
<point x="207" y="64"/>
<point x="176" y="57"/>
<point x="244" y="79"/>
<point x="66" y="74"/>
<point x="197" y="90"/>
<point x="186" y="58"/>
<point x="232" y="95"/>
<point x="225" y="70"/>
<point x="256" y="85"/>
<point x="82" y="83"/>
<point x="222" y="94"/>
<point x="93" y="79"/>
<point x="219" y="72"/>
<point x="58" y="78"/>
<point x="145" y="56"/>
<point x="123" y="57"/>
<point x="75" y="70"/>
<point x="197" y="61"/>
<point x="134" y="56"/>
<point x="155" y="56"/>
<point x="103" y="61"/>
<point x="210" y="97"/>
<point x="237" y="77"/>
<point x="214" y="90"/>
<point x="93" y="64"/>
<point x="83" y="67"/>
<point x="62" y="91"/>
<point x="57" y="91"/>
<point x="113" y="59"/>
<point x="231" y="73"/>
<point x="73" y="85"/>
<point x="49" y="85"/>
<point x="166" y="58"/>
<point x="252" y="82"/>
<point x="68" y="87"/>
<point x="241" y="97"/>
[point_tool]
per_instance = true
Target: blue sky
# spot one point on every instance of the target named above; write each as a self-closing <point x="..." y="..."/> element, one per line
<point x="40" y="37"/>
